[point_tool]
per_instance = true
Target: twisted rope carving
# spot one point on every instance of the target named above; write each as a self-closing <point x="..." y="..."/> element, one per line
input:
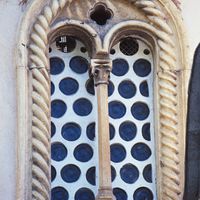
<point x="41" y="100"/>
<point x="38" y="63"/>
<point x="169" y="135"/>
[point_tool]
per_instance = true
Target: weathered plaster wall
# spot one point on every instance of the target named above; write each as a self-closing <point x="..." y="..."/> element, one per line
<point x="191" y="17"/>
<point x="10" y="15"/>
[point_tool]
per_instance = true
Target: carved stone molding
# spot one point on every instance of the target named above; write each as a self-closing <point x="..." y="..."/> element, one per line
<point x="163" y="28"/>
<point x="100" y="70"/>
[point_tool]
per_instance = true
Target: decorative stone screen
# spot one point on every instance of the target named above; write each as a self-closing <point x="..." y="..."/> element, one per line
<point x="132" y="116"/>
<point x="74" y="144"/>
<point x="73" y="113"/>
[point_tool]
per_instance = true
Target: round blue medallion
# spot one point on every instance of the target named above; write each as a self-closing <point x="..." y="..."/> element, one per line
<point x="58" y="108"/>
<point x="144" y="90"/>
<point x="91" y="175"/>
<point x="116" y="109"/>
<point x="120" y="67"/>
<point x="143" y="193"/>
<point x="142" y="67"/>
<point x="111" y="131"/>
<point x="84" y="194"/>
<point x="59" y="193"/>
<point x="57" y="65"/>
<point x="147" y="173"/>
<point x="127" y="89"/>
<point x="90" y="131"/>
<point x="83" y="152"/>
<point x="113" y="173"/>
<point x="127" y="131"/>
<point x="141" y="151"/>
<point x="146" y="132"/>
<point x="71" y="131"/>
<point x="79" y="64"/>
<point x="58" y="151"/>
<point x="140" y="111"/>
<point x="111" y="88"/>
<point x="82" y="107"/>
<point x="120" y="194"/>
<point x="52" y="88"/>
<point x="70" y="173"/>
<point x="68" y="86"/>
<point x="53" y="173"/>
<point x="118" y="153"/>
<point x="129" y="173"/>
<point x="53" y="129"/>
<point x="90" y="86"/>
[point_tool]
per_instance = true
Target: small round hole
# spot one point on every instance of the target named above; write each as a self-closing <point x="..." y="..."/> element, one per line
<point x="146" y="52"/>
<point x="50" y="49"/>
<point x="112" y="51"/>
<point x="83" y="49"/>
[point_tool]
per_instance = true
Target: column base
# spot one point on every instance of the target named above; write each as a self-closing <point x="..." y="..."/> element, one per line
<point x="105" y="194"/>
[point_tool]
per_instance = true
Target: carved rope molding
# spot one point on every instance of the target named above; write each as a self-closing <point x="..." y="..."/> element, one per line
<point x="171" y="171"/>
<point x="168" y="100"/>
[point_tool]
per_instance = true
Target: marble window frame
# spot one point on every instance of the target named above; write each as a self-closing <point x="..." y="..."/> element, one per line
<point x="162" y="28"/>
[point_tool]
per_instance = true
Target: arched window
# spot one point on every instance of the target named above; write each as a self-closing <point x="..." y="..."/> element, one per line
<point x="115" y="71"/>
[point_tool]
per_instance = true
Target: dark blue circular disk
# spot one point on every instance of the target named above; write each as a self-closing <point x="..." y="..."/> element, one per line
<point x="120" y="194"/>
<point x="58" y="108"/>
<point x="140" y="111"/>
<point x="90" y="131"/>
<point x="79" y="64"/>
<point x="127" y="131"/>
<point x="127" y="89"/>
<point x="120" y="67"/>
<point x="58" y="151"/>
<point x="68" y="86"/>
<point x="59" y="193"/>
<point x="147" y="173"/>
<point x="144" y="90"/>
<point x="83" y="152"/>
<point x="111" y="131"/>
<point x="91" y="175"/>
<point x="53" y="129"/>
<point x="90" y="86"/>
<point x="111" y="88"/>
<point x="129" y="173"/>
<point x="52" y="88"/>
<point x="143" y="193"/>
<point x="118" y="153"/>
<point x="70" y="173"/>
<point x="71" y="131"/>
<point x="116" y="109"/>
<point x="57" y="65"/>
<point x="142" y="67"/>
<point x="146" y="131"/>
<point x="113" y="173"/>
<point x="141" y="151"/>
<point x="53" y="173"/>
<point x="82" y="107"/>
<point x="84" y="194"/>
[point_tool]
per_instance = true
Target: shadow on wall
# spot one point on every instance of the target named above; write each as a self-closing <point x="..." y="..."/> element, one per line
<point x="192" y="176"/>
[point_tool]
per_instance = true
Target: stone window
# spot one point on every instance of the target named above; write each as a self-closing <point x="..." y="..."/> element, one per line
<point x="113" y="123"/>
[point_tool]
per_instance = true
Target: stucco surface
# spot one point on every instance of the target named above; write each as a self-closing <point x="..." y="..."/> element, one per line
<point x="10" y="15"/>
<point x="191" y="16"/>
<point x="9" y="19"/>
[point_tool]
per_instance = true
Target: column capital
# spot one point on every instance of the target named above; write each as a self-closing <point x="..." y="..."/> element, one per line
<point x="100" y="70"/>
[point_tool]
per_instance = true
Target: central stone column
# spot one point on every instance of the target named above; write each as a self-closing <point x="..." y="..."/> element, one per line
<point x="101" y="73"/>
